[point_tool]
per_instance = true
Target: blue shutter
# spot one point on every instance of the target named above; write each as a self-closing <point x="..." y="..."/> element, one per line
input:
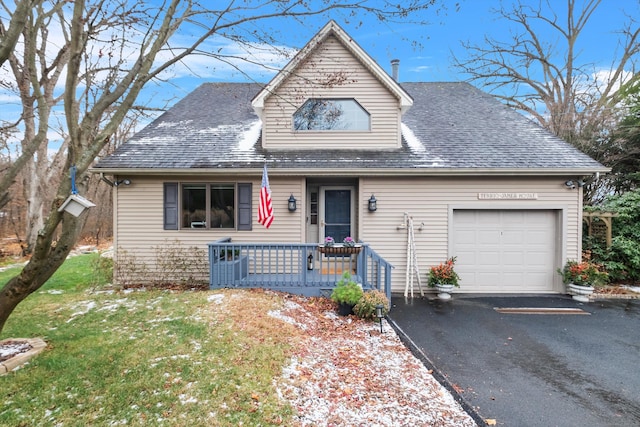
<point x="244" y="206"/>
<point x="170" y="205"/>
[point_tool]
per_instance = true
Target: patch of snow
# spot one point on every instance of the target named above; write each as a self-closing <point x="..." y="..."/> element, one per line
<point x="113" y="306"/>
<point x="250" y="136"/>
<point x="416" y="146"/>
<point x="10" y="350"/>
<point x="181" y="123"/>
<point x="184" y="399"/>
<point x="277" y="314"/>
<point x="163" y="319"/>
<point x="216" y="298"/>
<point x="88" y="306"/>
<point x="635" y="289"/>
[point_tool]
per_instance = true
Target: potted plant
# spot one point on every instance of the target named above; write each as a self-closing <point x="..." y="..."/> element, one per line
<point x="444" y="278"/>
<point x="347" y="293"/>
<point x="581" y="277"/>
<point x="349" y="242"/>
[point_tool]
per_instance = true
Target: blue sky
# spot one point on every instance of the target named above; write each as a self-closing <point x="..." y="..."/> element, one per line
<point x="471" y="21"/>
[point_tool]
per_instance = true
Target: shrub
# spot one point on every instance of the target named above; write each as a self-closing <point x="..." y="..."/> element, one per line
<point x="366" y="306"/>
<point x="622" y="259"/>
<point x="102" y="270"/>
<point x="347" y="290"/>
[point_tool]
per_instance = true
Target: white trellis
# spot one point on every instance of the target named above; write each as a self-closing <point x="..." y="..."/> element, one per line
<point x="413" y="270"/>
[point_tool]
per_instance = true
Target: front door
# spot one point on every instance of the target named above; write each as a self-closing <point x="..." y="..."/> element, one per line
<point x="336" y="213"/>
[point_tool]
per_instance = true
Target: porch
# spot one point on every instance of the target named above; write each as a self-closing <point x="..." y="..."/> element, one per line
<point x="299" y="268"/>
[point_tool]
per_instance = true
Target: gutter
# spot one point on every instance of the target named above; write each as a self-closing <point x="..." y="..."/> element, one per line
<point x="342" y="172"/>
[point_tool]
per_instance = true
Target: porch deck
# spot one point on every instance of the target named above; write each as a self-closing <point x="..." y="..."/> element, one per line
<point x="299" y="268"/>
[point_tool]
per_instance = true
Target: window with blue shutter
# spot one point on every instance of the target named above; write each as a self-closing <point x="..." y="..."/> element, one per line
<point x="244" y="206"/>
<point x="207" y="206"/>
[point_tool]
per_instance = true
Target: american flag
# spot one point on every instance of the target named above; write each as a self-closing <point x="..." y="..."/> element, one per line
<point x="265" y="209"/>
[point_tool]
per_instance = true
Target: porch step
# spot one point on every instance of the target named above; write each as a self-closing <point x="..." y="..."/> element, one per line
<point x="338" y="270"/>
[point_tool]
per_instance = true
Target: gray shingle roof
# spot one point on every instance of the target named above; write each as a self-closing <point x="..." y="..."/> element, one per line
<point x="451" y="126"/>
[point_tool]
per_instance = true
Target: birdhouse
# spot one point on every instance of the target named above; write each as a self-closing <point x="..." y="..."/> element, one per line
<point x="75" y="205"/>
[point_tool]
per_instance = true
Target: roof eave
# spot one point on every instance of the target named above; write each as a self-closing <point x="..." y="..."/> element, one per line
<point x="356" y="172"/>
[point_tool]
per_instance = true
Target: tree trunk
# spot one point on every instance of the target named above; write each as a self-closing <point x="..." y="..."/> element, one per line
<point x="43" y="263"/>
<point x="34" y="220"/>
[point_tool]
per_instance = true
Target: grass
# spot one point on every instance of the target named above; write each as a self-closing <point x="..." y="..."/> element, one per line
<point x="145" y="357"/>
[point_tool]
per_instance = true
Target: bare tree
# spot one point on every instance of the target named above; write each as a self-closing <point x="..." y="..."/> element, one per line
<point x="10" y="34"/>
<point x="105" y="53"/>
<point x="541" y="75"/>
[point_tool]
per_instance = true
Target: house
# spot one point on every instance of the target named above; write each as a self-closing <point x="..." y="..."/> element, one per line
<point x="476" y="179"/>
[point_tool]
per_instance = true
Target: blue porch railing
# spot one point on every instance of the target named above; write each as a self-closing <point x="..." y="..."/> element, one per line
<point x="299" y="268"/>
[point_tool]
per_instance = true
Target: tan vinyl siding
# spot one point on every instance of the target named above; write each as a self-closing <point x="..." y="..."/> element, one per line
<point x="332" y="72"/>
<point x="139" y="219"/>
<point x="430" y="202"/>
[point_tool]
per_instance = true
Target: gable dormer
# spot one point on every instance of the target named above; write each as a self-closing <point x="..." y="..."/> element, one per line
<point x="332" y="95"/>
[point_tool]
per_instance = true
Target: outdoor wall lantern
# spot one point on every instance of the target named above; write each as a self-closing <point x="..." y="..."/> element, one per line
<point x="122" y="182"/>
<point x="571" y="184"/>
<point x="291" y="203"/>
<point x="373" y="204"/>
<point x="379" y="314"/>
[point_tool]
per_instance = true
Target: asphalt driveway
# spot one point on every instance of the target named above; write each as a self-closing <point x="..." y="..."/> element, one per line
<point x="532" y="369"/>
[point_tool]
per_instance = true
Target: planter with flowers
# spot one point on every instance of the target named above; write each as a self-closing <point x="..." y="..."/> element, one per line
<point x="347" y="247"/>
<point x="581" y="277"/>
<point x="444" y="278"/>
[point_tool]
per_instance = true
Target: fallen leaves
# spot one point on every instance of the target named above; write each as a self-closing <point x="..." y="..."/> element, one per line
<point x="346" y="373"/>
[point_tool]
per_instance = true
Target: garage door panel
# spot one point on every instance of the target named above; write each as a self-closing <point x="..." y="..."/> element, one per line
<point x="488" y="278"/>
<point x="465" y="236"/>
<point x="488" y="237"/>
<point x="538" y="259"/>
<point x="488" y="258"/>
<point x="466" y="218"/>
<point x="505" y="250"/>
<point x="512" y="237"/>
<point x="513" y="258"/>
<point x="513" y="218"/>
<point x="540" y="237"/>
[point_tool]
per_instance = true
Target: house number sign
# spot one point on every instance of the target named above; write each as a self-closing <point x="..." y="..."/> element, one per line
<point x="508" y="196"/>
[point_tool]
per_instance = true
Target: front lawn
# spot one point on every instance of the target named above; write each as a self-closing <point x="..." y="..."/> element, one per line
<point x="144" y="357"/>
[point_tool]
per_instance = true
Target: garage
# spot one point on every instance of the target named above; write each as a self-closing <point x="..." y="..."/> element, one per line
<point x="506" y="251"/>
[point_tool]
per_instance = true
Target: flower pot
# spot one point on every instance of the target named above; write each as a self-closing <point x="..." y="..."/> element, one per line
<point x="444" y="291"/>
<point x="579" y="292"/>
<point x="345" y="309"/>
<point x="340" y="249"/>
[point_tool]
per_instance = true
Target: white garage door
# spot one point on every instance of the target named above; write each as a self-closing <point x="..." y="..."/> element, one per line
<point x="507" y="251"/>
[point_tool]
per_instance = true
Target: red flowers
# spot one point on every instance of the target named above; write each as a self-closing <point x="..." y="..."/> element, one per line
<point x="583" y="274"/>
<point x="443" y="274"/>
